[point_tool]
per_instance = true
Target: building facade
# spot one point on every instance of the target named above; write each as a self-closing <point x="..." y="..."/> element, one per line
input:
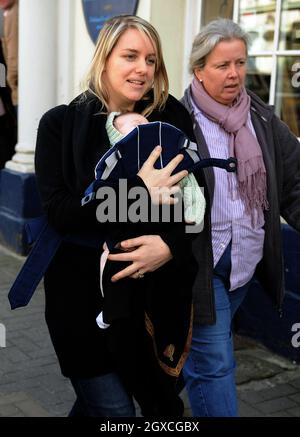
<point x="55" y="50"/>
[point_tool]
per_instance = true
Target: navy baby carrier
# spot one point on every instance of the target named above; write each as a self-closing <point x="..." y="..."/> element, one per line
<point x="123" y="160"/>
<point x="126" y="157"/>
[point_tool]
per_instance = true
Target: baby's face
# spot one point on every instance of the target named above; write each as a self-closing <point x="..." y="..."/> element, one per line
<point x="127" y="122"/>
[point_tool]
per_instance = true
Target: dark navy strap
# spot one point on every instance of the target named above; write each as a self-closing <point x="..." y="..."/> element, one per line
<point x="229" y="164"/>
<point x="35" y="265"/>
<point x="47" y="241"/>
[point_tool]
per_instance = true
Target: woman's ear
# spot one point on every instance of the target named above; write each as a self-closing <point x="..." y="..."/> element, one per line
<point x="198" y="74"/>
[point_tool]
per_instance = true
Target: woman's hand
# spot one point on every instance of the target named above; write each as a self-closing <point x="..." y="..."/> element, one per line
<point x="160" y="183"/>
<point x="147" y="253"/>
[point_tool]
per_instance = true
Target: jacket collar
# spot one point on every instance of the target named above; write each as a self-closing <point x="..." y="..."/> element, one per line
<point x="202" y="146"/>
<point x="263" y="110"/>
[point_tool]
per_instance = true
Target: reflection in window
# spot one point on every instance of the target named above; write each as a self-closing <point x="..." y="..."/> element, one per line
<point x="287" y="98"/>
<point x="258" y="19"/>
<point x="290" y="25"/>
<point x="213" y="9"/>
<point x="258" y="79"/>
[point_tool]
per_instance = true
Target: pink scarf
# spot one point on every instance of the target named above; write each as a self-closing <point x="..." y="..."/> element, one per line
<point x="251" y="171"/>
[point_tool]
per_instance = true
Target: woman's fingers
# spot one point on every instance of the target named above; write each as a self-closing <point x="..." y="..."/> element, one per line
<point x="134" y="243"/>
<point x="177" y="177"/>
<point x="164" y="195"/>
<point x="128" y="271"/>
<point x="173" y="163"/>
<point x="150" y="253"/>
<point x="159" y="181"/>
<point x="123" y="256"/>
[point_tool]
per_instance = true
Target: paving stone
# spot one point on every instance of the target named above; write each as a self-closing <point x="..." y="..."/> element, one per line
<point x="29" y="408"/>
<point x="253" y="368"/>
<point x="294" y="411"/>
<point x="296" y="383"/>
<point x="246" y="410"/>
<point x="31" y="384"/>
<point x="295" y="397"/>
<point x="279" y="391"/>
<point x="24" y="344"/>
<point x="275" y="405"/>
<point x="280" y="414"/>
<point x="9" y="410"/>
<point x="253" y="397"/>
<point x="11" y="398"/>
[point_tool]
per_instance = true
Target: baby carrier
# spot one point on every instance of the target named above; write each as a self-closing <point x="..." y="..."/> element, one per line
<point x="126" y="157"/>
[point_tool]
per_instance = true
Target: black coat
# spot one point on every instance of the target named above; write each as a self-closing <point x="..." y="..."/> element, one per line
<point x="70" y="141"/>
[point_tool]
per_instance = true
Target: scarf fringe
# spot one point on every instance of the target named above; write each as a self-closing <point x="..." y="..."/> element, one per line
<point x="253" y="188"/>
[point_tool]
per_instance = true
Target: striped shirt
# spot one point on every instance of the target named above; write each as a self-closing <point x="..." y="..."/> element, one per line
<point x="228" y="217"/>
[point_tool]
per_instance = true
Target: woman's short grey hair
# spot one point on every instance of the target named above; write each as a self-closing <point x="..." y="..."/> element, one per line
<point x="214" y="32"/>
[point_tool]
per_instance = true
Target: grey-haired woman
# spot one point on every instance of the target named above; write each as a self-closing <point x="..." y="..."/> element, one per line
<point x="241" y="236"/>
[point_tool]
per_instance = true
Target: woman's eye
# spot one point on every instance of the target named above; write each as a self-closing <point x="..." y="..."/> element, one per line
<point x="151" y="61"/>
<point x="130" y="57"/>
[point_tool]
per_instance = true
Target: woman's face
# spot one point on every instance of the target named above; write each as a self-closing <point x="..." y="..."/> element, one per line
<point x="129" y="70"/>
<point x="224" y="72"/>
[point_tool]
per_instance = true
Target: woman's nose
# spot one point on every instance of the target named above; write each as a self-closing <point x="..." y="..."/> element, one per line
<point x="233" y="71"/>
<point x="141" y="66"/>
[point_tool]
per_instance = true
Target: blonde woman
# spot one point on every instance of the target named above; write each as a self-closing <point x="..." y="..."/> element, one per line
<point x="127" y="74"/>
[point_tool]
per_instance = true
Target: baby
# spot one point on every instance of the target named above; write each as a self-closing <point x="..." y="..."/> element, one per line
<point x="149" y="319"/>
<point x="117" y="126"/>
<point x="193" y="200"/>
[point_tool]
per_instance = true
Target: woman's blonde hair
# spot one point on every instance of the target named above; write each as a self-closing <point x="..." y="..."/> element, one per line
<point x="108" y="37"/>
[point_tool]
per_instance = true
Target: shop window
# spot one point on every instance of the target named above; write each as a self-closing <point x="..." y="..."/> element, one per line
<point x="213" y="9"/>
<point x="258" y="77"/>
<point x="274" y="28"/>
<point x="287" y="97"/>
<point x="290" y="25"/>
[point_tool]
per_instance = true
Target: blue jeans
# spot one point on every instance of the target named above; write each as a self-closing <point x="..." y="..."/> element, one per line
<point x="101" y="396"/>
<point x="210" y="368"/>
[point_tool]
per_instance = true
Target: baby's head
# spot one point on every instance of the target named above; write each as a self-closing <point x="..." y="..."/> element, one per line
<point x="125" y="123"/>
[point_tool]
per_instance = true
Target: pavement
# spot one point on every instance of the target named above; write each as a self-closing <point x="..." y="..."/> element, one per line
<point x="31" y="384"/>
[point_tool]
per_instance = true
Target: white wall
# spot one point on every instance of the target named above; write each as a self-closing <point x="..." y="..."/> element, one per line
<point x="168" y="17"/>
<point x="1" y="23"/>
<point x="84" y="46"/>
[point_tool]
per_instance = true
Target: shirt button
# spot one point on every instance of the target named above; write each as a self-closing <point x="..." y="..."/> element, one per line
<point x="222" y="245"/>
